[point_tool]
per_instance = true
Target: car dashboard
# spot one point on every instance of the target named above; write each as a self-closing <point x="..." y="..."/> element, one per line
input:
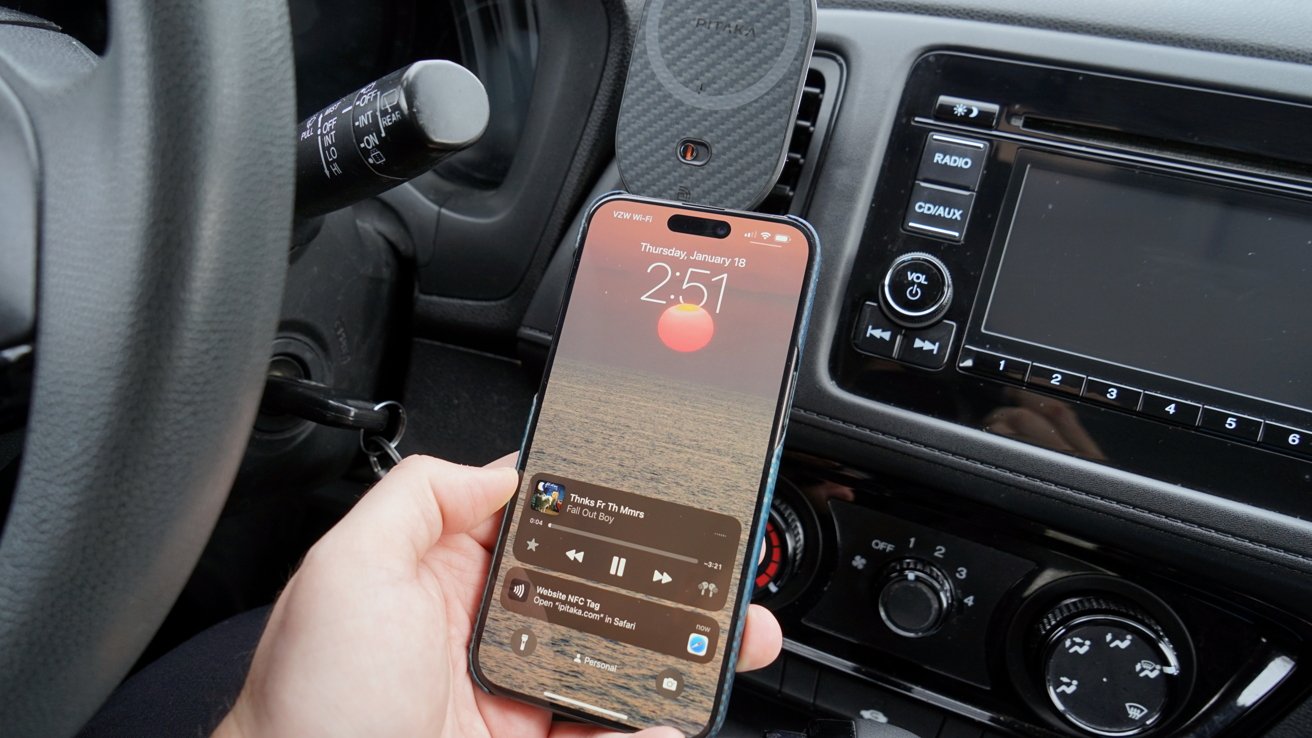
<point x="1049" y="467"/>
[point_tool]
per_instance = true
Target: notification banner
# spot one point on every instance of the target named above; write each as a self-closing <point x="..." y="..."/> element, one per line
<point x="643" y="544"/>
<point x="619" y="617"/>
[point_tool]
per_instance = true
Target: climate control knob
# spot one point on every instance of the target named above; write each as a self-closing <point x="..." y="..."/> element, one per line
<point x="915" y="598"/>
<point x="1106" y="667"/>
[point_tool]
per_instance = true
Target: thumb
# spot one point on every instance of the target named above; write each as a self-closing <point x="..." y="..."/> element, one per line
<point x="576" y="730"/>
<point x="420" y="500"/>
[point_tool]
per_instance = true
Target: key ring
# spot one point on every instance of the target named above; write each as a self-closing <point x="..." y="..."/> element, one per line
<point x="387" y="449"/>
<point x="385" y="446"/>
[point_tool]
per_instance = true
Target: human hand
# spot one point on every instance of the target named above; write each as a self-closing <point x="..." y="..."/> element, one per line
<point x="371" y="635"/>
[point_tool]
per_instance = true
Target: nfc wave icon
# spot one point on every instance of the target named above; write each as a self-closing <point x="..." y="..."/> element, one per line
<point x="519" y="590"/>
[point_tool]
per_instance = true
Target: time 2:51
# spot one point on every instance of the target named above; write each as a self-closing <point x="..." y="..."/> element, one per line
<point x="689" y="283"/>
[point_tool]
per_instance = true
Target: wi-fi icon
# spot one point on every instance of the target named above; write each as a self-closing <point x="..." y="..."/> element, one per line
<point x="765" y="235"/>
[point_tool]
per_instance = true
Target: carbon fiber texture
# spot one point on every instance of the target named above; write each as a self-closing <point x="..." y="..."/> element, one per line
<point x="722" y="72"/>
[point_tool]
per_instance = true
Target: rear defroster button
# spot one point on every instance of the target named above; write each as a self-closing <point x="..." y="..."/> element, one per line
<point x="917" y="290"/>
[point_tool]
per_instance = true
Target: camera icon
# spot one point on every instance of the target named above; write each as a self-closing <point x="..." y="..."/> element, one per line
<point x="669" y="684"/>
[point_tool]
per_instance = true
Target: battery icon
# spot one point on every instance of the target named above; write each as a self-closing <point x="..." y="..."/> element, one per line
<point x="782" y="238"/>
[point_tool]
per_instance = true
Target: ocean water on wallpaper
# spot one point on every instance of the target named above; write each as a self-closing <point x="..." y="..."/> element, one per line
<point x="716" y="453"/>
<point x="655" y="430"/>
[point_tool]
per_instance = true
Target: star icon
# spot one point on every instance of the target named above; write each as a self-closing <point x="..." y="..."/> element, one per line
<point x="532" y="544"/>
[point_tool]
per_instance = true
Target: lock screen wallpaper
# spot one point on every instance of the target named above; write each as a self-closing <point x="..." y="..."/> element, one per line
<point x="620" y="574"/>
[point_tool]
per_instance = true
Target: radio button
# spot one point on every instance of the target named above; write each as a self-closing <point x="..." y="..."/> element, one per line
<point x="1169" y="408"/>
<point x="953" y="161"/>
<point x="917" y="290"/>
<point x="941" y="212"/>
<point x="986" y="363"/>
<point x="1057" y="380"/>
<point x="928" y="348"/>
<point x="966" y="112"/>
<point x="1231" y="424"/>
<point x="1284" y="438"/>
<point x="1112" y="394"/>
<point x="875" y="333"/>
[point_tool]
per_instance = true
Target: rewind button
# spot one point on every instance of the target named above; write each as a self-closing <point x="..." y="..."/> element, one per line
<point x="875" y="333"/>
<point x="928" y="347"/>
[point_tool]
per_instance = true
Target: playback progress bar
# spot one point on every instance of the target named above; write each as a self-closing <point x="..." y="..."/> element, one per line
<point x="618" y="542"/>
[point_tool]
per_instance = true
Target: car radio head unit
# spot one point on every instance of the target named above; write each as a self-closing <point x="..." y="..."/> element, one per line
<point x="1160" y="281"/>
<point x="1113" y="268"/>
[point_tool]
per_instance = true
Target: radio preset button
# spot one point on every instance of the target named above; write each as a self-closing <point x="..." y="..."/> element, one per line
<point x="1112" y="394"/>
<point x="1169" y="408"/>
<point x="1284" y="438"/>
<point x="917" y="290"/>
<point x="941" y="212"/>
<point x="928" y="348"/>
<point x="1231" y="424"/>
<point x="966" y="112"/>
<point x="989" y="364"/>
<point x="875" y="333"/>
<point x="953" y="161"/>
<point x="1057" y="380"/>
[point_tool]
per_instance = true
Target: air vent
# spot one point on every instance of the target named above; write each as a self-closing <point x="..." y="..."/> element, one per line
<point x="819" y="97"/>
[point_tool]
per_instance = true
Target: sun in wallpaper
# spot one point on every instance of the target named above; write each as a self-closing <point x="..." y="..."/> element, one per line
<point x="685" y="327"/>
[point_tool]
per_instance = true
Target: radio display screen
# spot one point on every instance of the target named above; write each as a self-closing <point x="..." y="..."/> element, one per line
<point x="1192" y="281"/>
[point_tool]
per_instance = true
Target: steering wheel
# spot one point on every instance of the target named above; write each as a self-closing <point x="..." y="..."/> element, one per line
<point x="152" y="188"/>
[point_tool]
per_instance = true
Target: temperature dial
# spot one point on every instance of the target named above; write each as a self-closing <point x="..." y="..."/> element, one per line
<point x="781" y="550"/>
<point x="1106" y="667"/>
<point x="915" y="599"/>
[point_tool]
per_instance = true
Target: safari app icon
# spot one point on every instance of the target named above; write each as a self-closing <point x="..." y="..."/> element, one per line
<point x="697" y="644"/>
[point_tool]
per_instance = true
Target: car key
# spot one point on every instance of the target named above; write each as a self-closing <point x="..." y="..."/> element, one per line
<point x="381" y="424"/>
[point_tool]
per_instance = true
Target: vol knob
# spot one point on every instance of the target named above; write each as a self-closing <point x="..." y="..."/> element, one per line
<point x="1106" y="667"/>
<point x="915" y="599"/>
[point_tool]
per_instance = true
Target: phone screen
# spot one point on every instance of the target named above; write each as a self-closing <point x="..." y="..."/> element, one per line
<point x="620" y="573"/>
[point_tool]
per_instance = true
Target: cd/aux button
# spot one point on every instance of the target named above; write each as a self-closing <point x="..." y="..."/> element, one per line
<point x="941" y="212"/>
<point x="1057" y="380"/>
